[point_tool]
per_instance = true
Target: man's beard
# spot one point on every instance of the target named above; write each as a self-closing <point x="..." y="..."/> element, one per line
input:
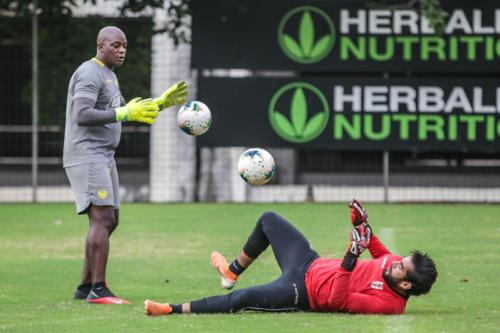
<point x="391" y="282"/>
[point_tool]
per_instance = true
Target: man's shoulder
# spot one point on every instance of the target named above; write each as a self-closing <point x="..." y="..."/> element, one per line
<point x="88" y="69"/>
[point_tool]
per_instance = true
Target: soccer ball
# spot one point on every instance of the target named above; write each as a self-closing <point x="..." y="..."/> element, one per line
<point x="194" y="118"/>
<point x="256" y="166"/>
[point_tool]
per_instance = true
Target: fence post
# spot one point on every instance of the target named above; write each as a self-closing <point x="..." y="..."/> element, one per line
<point x="34" y="103"/>
<point x="385" y="163"/>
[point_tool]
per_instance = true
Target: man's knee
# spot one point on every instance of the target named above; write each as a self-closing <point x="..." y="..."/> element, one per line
<point x="269" y="216"/>
<point x="239" y="300"/>
<point x="104" y="216"/>
<point x="268" y="219"/>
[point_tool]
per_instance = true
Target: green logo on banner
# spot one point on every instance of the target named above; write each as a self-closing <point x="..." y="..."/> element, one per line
<point x="298" y="36"/>
<point x="307" y="110"/>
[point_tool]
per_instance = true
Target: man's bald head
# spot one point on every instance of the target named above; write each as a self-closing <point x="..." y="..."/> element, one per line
<point x="111" y="46"/>
<point x="108" y="33"/>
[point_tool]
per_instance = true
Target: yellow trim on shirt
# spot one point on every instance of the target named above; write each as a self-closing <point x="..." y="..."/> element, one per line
<point x="98" y="61"/>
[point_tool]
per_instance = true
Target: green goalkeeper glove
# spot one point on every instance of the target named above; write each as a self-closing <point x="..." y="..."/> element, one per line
<point x="144" y="111"/>
<point x="175" y="95"/>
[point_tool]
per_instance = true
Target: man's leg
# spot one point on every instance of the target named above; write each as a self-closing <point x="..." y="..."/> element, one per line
<point x="287" y="293"/>
<point x="117" y="221"/>
<point x="102" y="223"/>
<point x="82" y="291"/>
<point x="96" y="189"/>
<point x="86" y="280"/>
<point x="290" y="247"/>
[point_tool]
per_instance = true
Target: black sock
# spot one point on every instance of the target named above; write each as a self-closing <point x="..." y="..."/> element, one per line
<point x="236" y="268"/>
<point x="85" y="287"/>
<point x="176" y="308"/>
<point x="99" y="285"/>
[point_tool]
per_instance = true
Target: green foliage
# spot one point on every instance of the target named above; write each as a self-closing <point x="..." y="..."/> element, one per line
<point x="435" y="14"/>
<point x="431" y="9"/>
<point x="162" y="252"/>
<point x="47" y="9"/>
<point x="64" y="43"/>
<point x="178" y="22"/>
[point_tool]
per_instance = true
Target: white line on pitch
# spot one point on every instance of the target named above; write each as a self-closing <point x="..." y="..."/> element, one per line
<point x="394" y="324"/>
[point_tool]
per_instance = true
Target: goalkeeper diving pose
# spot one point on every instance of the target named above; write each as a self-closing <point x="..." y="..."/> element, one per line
<point x="381" y="285"/>
<point x="94" y="112"/>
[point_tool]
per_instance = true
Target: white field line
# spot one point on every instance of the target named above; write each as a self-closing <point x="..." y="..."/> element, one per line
<point x="394" y="324"/>
<point x="387" y="237"/>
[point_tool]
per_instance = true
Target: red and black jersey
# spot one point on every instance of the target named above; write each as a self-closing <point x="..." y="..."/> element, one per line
<point x="332" y="288"/>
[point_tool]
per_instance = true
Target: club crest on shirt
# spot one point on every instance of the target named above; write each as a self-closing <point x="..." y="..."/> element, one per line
<point x="103" y="194"/>
<point x="379" y="285"/>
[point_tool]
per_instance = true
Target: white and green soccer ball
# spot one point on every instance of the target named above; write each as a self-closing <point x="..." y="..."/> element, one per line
<point x="256" y="166"/>
<point x="194" y="118"/>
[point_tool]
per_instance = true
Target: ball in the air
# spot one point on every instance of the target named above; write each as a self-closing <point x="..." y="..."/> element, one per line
<point x="194" y="118"/>
<point x="256" y="166"/>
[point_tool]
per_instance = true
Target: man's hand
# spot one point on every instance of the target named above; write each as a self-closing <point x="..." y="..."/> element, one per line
<point x="359" y="219"/>
<point x="360" y="235"/>
<point x="175" y="95"/>
<point x="144" y="111"/>
<point x="358" y="213"/>
<point x="359" y="241"/>
<point x="357" y="245"/>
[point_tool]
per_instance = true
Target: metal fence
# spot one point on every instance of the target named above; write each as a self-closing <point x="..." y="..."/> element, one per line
<point x="162" y="164"/>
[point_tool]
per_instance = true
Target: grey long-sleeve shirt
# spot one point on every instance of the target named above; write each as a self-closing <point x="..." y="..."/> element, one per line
<point x="91" y="132"/>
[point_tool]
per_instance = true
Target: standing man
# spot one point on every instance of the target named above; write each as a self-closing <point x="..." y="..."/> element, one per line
<point x="94" y="112"/>
<point x="381" y="285"/>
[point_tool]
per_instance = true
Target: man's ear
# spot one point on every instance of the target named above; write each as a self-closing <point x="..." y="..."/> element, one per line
<point x="406" y="285"/>
<point x="100" y="45"/>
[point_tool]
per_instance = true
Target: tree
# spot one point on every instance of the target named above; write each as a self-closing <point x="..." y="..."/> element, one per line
<point x="51" y="8"/>
<point x="178" y="24"/>
<point x="431" y="9"/>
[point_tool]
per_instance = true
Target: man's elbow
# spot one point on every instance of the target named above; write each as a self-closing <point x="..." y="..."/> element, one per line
<point x="338" y="305"/>
<point x="82" y="122"/>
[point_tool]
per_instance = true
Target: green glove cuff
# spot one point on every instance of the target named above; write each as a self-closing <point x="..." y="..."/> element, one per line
<point x="160" y="102"/>
<point x="122" y="113"/>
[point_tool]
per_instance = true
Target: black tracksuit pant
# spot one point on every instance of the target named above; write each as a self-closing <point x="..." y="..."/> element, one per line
<point x="286" y="293"/>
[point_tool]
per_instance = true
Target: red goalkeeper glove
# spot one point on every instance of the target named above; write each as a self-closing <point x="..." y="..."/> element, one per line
<point x="357" y="245"/>
<point x="358" y="213"/>
<point x="359" y="219"/>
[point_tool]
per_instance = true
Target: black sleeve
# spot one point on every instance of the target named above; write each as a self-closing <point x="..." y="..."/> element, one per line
<point x="86" y="115"/>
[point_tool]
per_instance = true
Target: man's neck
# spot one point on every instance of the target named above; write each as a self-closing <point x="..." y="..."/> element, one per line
<point x="99" y="59"/>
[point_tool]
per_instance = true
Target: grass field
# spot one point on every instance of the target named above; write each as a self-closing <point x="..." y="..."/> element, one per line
<point x="162" y="252"/>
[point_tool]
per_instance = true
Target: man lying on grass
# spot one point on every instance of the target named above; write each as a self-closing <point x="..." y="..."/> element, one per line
<point x="381" y="285"/>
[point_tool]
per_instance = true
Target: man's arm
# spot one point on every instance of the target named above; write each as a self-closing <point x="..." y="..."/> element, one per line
<point x="377" y="248"/>
<point x="342" y="300"/>
<point x="359" y="219"/>
<point x="86" y="91"/>
<point x="86" y="115"/>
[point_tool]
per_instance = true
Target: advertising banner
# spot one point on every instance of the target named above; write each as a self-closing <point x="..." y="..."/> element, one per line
<point x="344" y="36"/>
<point x="354" y="113"/>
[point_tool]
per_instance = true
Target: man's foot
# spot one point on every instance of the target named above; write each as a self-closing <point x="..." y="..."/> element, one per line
<point x="227" y="278"/>
<point x="104" y="296"/>
<point x="82" y="291"/>
<point x="152" y="308"/>
<point x="79" y="294"/>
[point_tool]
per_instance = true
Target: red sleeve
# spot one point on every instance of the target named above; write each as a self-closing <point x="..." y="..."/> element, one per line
<point x="376" y="248"/>
<point x="368" y="304"/>
<point x="340" y="299"/>
<point x="340" y="290"/>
